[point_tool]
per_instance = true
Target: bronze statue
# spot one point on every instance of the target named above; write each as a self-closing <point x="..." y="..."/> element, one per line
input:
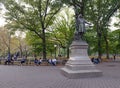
<point x="80" y="27"/>
<point x="81" y="24"/>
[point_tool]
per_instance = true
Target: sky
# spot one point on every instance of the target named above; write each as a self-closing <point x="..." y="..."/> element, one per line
<point x="114" y="20"/>
<point x="2" y="21"/>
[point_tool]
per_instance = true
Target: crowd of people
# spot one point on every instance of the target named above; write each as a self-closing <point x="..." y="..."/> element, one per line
<point x="36" y="61"/>
<point x="11" y="59"/>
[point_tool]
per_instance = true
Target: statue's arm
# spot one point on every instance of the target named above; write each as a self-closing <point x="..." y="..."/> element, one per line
<point x="87" y="22"/>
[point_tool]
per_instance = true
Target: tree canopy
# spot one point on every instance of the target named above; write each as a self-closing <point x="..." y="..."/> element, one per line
<point x="41" y="20"/>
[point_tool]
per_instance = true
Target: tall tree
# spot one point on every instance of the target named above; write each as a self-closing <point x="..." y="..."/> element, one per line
<point x="100" y="13"/>
<point x="114" y="42"/>
<point x="64" y="28"/>
<point x="35" y="16"/>
<point x="8" y="43"/>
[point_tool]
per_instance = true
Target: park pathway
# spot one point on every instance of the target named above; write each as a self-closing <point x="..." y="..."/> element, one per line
<point x="50" y="77"/>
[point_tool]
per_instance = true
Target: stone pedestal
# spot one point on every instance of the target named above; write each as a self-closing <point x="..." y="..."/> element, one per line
<point x="79" y="64"/>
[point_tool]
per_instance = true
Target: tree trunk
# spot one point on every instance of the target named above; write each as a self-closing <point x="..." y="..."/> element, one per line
<point x="25" y="52"/>
<point x="107" y="47"/>
<point x="114" y="57"/>
<point x="21" y="53"/>
<point x="82" y="8"/>
<point x="44" y="44"/>
<point x="99" y="46"/>
<point x="9" y="37"/>
<point x="99" y="41"/>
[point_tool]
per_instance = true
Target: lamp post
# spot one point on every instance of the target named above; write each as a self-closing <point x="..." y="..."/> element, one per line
<point x="55" y="50"/>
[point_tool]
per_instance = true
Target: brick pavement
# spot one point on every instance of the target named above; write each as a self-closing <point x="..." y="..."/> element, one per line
<point x="50" y="77"/>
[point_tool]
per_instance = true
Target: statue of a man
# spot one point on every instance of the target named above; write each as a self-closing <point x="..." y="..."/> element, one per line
<point x="80" y="27"/>
<point x="81" y="24"/>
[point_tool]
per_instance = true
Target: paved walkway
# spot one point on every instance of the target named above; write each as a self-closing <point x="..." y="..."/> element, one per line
<point x="50" y="77"/>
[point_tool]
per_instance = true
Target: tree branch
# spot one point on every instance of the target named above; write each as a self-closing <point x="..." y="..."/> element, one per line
<point x="46" y="9"/>
<point x="47" y="23"/>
